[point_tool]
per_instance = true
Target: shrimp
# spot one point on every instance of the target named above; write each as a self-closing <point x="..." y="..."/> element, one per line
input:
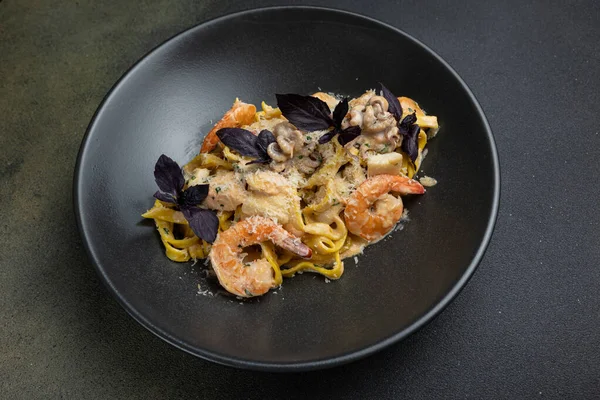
<point x="254" y="278"/>
<point x="240" y="114"/>
<point x="372" y="211"/>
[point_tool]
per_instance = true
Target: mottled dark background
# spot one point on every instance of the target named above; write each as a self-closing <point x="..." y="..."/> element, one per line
<point x="526" y="326"/>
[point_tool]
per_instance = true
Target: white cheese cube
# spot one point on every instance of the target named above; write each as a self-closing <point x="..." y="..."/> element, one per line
<point x="390" y="163"/>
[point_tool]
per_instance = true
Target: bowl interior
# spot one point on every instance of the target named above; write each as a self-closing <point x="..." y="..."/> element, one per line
<point x="167" y="103"/>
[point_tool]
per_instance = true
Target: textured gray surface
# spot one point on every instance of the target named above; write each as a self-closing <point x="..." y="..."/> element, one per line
<point x="526" y="326"/>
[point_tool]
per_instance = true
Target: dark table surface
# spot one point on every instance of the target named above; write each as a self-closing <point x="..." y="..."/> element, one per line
<point x="526" y="326"/>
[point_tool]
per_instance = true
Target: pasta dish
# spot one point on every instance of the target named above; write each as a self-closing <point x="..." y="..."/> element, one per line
<point x="293" y="188"/>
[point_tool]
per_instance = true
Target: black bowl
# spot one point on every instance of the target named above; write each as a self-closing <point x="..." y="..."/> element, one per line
<point x="166" y="104"/>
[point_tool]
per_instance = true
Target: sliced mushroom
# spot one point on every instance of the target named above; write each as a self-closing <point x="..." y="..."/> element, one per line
<point x="379" y="103"/>
<point x="290" y="142"/>
<point x="288" y="137"/>
<point x="276" y="153"/>
<point x="309" y="165"/>
<point x="372" y="124"/>
<point x="309" y="147"/>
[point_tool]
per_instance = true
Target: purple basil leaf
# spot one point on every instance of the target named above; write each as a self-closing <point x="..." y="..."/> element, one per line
<point x="264" y="139"/>
<point x="166" y="197"/>
<point x="193" y="196"/>
<point x="328" y="136"/>
<point x="204" y="223"/>
<point x="168" y="176"/>
<point x="305" y="112"/>
<point x="410" y="143"/>
<point x="339" y="112"/>
<point x="406" y="123"/>
<point x="348" y="135"/>
<point x="410" y="132"/>
<point x="394" y="106"/>
<point x="240" y="140"/>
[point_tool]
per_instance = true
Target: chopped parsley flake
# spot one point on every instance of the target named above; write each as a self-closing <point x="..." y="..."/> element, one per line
<point x="166" y="230"/>
<point x="300" y="157"/>
<point x="218" y="189"/>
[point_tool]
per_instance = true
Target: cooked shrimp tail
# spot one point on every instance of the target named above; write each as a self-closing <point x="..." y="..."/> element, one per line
<point x="240" y="114"/>
<point x="296" y="246"/>
<point x="252" y="278"/>
<point x="372" y="211"/>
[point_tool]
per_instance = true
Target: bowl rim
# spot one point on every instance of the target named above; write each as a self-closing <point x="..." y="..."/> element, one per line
<point x="303" y="365"/>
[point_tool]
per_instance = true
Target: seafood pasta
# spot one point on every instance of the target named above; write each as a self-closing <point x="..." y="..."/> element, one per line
<point x="295" y="188"/>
